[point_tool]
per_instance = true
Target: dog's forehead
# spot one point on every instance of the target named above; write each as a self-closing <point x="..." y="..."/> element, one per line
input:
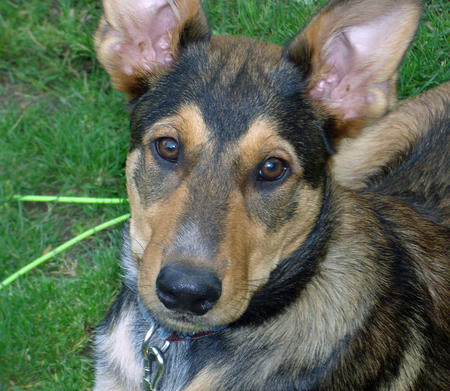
<point x="232" y="80"/>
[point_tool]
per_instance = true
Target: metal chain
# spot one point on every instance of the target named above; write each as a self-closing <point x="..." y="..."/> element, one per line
<point x="154" y="361"/>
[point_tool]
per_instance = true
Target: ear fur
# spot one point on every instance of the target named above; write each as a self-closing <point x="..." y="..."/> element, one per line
<point x="137" y="40"/>
<point x="351" y="51"/>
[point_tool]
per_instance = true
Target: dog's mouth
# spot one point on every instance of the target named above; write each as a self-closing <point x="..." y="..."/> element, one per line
<point x="176" y="335"/>
<point x="188" y="324"/>
<point x="179" y="326"/>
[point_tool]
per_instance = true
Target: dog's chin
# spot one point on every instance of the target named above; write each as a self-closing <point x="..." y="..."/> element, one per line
<point x="186" y="323"/>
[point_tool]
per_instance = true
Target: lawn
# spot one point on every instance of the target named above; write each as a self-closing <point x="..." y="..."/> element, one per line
<point x="63" y="130"/>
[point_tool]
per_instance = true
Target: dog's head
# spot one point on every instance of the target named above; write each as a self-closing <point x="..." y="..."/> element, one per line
<point x="230" y="140"/>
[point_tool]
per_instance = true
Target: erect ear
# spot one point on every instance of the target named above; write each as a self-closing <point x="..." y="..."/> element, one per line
<point x="139" y="39"/>
<point x="351" y="51"/>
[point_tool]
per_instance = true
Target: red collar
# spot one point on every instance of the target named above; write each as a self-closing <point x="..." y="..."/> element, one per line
<point x="175" y="337"/>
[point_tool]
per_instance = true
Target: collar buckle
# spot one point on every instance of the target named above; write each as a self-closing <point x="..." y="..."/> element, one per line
<point x="154" y="361"/>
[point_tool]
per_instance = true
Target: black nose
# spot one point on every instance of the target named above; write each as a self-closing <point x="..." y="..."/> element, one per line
<point x="187" y="288"/>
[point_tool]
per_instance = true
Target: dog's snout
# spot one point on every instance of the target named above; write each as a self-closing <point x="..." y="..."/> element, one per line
<point x="187" y="288"/>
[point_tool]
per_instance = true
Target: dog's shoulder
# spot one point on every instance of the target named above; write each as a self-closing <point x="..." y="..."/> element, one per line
<point x="404" y="154"/>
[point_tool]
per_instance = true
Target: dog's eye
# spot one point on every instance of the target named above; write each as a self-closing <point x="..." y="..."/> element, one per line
<point x="272" y="169"/>
<point x="167" y="148"/>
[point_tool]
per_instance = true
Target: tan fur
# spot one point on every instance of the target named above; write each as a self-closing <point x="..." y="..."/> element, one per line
<point x="381" y="143"/>
<point x="187" y="125"/>
<point x="263" y="140"/>
<point x="430" y="254"/>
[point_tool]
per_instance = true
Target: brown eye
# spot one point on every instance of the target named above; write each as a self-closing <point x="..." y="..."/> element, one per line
<point x="167" y="148"/>
<point x="272" y="169"/>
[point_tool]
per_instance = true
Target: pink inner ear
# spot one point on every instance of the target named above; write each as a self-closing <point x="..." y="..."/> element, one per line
<point x="351" y="64"/>
<point x="142" y="32"/>
<point x="338" y="61"/>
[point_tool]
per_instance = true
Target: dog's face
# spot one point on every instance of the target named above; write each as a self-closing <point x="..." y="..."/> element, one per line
<point x="228" y="154"/>
<point x="221" y="183"/>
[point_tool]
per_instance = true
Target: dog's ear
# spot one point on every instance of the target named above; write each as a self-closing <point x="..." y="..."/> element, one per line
<point x="137" y="40"/>
<point x="351" y="51"/>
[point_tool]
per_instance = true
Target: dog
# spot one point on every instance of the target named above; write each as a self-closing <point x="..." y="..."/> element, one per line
<point x="289" y="220"/>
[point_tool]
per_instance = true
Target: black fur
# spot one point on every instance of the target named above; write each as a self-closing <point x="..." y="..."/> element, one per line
<point x="361" y="302"/>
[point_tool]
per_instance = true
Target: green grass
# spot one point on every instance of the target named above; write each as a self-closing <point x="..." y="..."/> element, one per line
<point x="63" y="130"/>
